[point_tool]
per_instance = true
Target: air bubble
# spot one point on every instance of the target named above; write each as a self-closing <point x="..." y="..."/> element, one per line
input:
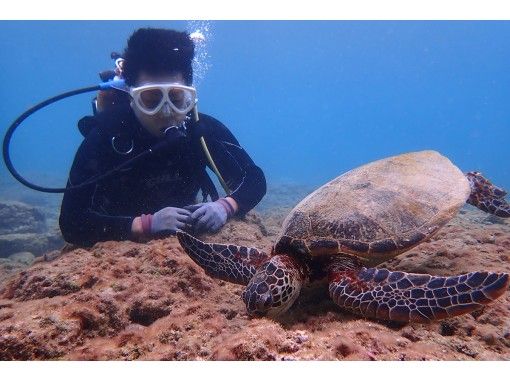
<point x="201" y="34"/>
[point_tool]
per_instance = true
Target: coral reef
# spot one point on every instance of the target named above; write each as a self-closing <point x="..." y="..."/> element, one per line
<point x="149" y="301"/>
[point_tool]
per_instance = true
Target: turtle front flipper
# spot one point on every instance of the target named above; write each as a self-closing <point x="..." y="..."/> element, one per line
<point x="231" y="263"/>
<point x="406" y="297"/>
<point x="486" y="196"/>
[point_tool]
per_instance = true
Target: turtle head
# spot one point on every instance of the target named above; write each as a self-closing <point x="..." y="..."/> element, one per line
<point x="274" y="287"/>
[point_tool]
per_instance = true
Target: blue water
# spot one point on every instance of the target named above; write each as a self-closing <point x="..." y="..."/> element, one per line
<point x="308" y="100"/>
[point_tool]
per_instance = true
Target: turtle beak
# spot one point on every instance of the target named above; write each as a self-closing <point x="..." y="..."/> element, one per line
<point x="257" y="305"/>
<point x="263" y="302"/>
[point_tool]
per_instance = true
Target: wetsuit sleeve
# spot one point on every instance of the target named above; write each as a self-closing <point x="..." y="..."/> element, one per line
<point x="245" y="180"/>
<point x="79" y="222"/>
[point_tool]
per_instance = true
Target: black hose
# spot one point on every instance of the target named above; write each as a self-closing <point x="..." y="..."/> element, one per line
<point x="19" y="120"/>
<point x="172" y="135"/>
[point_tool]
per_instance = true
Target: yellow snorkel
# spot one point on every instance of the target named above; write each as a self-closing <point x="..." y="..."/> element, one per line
<point x="209" y="157"/>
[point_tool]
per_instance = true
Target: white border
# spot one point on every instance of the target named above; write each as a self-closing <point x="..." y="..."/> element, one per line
<point x="257" y="10"/>
<point x="254" y="10"/>
<point x="252" y="370"/>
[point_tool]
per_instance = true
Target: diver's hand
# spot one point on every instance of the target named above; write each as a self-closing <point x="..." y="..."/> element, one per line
<point x="210" y="216"/>
<point x="170" y="219"/>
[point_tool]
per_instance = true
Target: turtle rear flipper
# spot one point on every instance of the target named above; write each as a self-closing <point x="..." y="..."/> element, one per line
<point x="231" y="263"/>
<point x="406" y="297"/>
<point x="486" y="196"/>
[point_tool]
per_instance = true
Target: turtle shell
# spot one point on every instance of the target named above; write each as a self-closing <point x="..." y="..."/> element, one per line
<point x="378" y="210"/>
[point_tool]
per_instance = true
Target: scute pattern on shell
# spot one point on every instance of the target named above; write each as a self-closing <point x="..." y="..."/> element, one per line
<point x="378" y="210"/>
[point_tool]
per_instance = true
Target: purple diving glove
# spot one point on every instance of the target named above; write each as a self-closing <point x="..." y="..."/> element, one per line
<point x="166" y="220"/>
<point x="210" y="216"/>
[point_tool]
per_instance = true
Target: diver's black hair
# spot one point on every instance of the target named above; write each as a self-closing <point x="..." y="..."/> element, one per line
<point x="158" y="51"/>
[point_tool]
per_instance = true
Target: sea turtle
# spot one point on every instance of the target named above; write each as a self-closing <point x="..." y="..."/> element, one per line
<point x="354" y="222"/>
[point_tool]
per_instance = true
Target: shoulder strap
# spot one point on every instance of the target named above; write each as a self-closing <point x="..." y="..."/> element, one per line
<point x="87" y="124"/>
<point x="116" y="124"/>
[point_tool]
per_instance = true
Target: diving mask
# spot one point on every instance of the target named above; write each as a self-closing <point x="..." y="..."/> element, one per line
<point x="150" y="98"/>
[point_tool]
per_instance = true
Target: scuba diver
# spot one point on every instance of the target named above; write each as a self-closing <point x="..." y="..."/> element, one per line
<point x="156" y="112"/>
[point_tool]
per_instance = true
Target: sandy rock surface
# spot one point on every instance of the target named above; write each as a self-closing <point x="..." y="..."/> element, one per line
<point x="126" y="300"/>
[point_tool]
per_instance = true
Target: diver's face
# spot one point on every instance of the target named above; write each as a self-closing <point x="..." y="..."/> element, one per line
<point x="156" y="124"/>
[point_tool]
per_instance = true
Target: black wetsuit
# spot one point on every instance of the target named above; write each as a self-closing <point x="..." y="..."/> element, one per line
<point x="173" y="177"/>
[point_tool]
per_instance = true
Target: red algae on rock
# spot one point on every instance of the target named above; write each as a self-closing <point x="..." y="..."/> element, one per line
<point x="133" y="301"/>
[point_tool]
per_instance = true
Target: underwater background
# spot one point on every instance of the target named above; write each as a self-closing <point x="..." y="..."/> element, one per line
<point x="307" y="99"/>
